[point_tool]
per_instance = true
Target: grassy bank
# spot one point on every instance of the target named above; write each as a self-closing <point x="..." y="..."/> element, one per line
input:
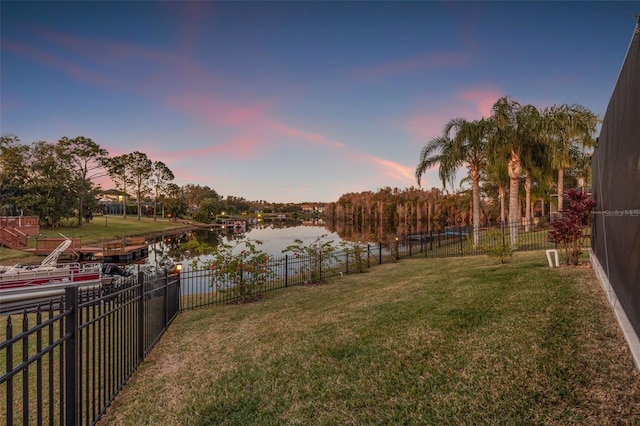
<point x="99" y="229"/>
<point x="447" y="341"/>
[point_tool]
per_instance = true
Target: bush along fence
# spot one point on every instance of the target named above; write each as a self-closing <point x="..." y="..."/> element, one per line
<point x="250" y="273"/>
<point x="67" y="360"/>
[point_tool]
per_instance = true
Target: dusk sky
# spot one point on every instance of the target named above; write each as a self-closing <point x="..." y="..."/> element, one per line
<point x="295" y="101"/>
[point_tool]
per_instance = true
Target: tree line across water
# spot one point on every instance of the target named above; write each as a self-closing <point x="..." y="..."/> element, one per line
<point x="518" y="148"/>
<point x="56" y="181"/>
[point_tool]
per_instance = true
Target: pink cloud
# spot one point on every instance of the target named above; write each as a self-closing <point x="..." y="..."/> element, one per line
<point x="470" y="104"/>
<point x="417" y="63"/>
<point x="252" y="120"/>
<point x="255" y="117"/>
<point x="213" y="111"/>
<point x="483" y="99"/>
<point x="396" y="171"/>
<point x="424" y="126"/>
<point x="105" y="52"/>
<point x="53" y="61"/>
<point x="243" y="147"/>
<point x="312" y="137"/>
<point x="392" y="169"/>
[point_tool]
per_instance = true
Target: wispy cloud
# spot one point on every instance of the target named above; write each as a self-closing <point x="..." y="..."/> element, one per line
<point x="311" y="137"/>
<point x="213" y="111"/>
<point x="482" y="99"/>
<point x="472" y="104"/>
<point x="57" y="62"/>
<point x="411" y="65"/>
<point x="255" y="117"/>
<point x="396" y="171"/>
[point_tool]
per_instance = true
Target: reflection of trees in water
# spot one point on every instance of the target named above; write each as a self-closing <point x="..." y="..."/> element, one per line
<point x="380" y="217"/>
<point x="277" y="224"/>
<point x="168" y="250"/>
<point x="165" y="250"/>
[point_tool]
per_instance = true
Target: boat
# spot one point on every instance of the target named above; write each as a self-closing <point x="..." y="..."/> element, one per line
<point x="49" y="272"/>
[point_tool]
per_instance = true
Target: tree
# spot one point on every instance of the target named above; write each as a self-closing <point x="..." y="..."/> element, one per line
<point x="86" y="160"/>
<point x="119" y="174"/>
<point x="569" y="130"/>
<point x="161" y="175"/>
<point x="510" y="128"/>
<point x="497" y="177"/>
<point x="140" y="168"/>
<point x="209" y="207"/>
<point x="13" y="173"/>
<point x="196" y="193"/>
<point x="467" y="146"/>
<point x="534" y="152"/>
<point x="566" y="228"/>
<point x="47" y="189"/>
<point x="175" y="200"/>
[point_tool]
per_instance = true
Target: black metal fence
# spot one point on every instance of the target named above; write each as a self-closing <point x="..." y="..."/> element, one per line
<point x="66" y="361"/>
<point x="201" y="288"/>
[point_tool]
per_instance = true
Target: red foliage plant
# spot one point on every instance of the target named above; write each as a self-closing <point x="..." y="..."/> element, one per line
<point x="567" y="227"/>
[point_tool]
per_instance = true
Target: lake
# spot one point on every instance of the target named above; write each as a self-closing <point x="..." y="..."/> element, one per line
<point x="165" y="251"/>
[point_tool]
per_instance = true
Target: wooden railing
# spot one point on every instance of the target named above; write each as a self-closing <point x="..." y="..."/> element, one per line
<point x="47" y="245"/>
<point x="13" y="238"/>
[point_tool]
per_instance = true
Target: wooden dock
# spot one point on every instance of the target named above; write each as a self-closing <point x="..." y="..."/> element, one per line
<point x="129" y="250"/>
<point x="123" y="251"/>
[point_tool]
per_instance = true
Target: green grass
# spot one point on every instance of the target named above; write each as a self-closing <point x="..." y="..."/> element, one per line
<point x="447" y="341"/>
<point x="99" y="229"/>
<point x="112" y="227"/>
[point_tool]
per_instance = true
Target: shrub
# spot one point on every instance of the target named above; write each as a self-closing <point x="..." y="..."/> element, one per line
<point x="567" y="227"/>
<point x="496" y="244"/>
<point x="321" y="255"/>
<point x="242" y="275"/>
<point x="356" y="254"/>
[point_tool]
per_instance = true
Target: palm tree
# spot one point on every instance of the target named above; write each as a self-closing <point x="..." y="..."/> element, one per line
<point x="569" y="130"/>
<point x="534" y="153"/>
<point x="506" y="144"/>
<point x="497" y="177"/>
<point x="466" y="146"/>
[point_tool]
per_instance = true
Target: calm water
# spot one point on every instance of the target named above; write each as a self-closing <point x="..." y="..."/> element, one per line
<point x="166" y="251"/>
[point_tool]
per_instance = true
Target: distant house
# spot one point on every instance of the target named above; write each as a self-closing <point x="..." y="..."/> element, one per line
<point x="111" y="201"/>
<point x="111" y="196"/>
<point x="313" y="208"/>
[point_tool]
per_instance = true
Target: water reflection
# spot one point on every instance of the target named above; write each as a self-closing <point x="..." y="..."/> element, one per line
<point x="164" y="252"/>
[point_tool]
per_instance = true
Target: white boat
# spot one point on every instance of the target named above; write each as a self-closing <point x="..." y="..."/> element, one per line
<point x="49" y="272"/>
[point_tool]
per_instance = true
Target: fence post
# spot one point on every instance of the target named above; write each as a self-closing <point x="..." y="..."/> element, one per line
<point x="368" y="255"/>
<point x="379" y="253"/>
<point x="346" y="260"/>
<point x="72" y="354"/>
<point x="286" y="270"/>
<point x="141" y="347"/>
<point x="179" y="291"/>
<point x="166" y="299"/>
<point x="9" y="363"/>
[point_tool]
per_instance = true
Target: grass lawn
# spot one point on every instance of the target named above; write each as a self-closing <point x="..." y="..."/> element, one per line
<point x="93" y="233"/>
<point x="422" y="341"/>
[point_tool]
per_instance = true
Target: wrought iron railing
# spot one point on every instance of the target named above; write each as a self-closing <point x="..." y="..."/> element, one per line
<point x="67" y="360"/>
